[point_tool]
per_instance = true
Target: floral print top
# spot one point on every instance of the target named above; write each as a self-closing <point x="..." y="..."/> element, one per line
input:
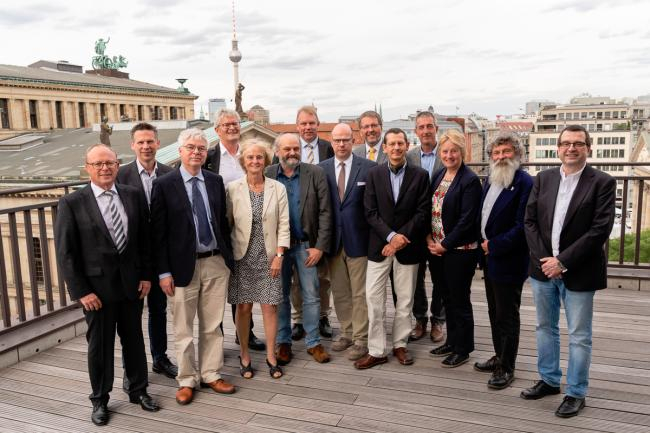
<point x="437" y="230"/>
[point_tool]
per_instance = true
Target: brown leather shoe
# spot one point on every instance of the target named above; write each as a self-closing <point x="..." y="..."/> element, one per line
<point x="418" y="331"/>
<point x="437" y="334"/>
<point x="283" y="353"/>
<point x="319" y="353"/>
<point x="184" y="395"/>
<point x="369" y="361"/>
<point x="220" y="386"/>
<point x="403" y="356"/>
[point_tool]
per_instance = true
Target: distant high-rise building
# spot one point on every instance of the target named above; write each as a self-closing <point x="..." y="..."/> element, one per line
<point x="214" y="105"/>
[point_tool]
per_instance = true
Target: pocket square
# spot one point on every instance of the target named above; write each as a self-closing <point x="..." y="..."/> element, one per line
<point x="361" y="184"/>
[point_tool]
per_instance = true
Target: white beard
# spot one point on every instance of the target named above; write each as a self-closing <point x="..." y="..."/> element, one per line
<point x="503" y="173"/>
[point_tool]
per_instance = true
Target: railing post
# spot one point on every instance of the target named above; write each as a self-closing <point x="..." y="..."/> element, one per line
<point x="4" y="292"/>
<point x="29" y="245"/>
<point x="15" y="259"/>
<point x="45" y="257"/>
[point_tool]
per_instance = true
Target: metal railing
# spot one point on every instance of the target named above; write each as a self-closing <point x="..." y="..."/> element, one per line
<point x="32" y="288"/>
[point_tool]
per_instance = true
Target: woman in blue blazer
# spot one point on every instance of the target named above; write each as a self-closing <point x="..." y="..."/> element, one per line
<point x="455" y="204"/>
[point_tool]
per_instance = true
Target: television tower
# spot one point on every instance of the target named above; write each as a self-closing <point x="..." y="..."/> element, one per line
<point x="235" y="54"/>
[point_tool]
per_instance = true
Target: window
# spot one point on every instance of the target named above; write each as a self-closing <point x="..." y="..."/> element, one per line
<point x="599" y="115"/>
<point x="599" y="153"/>
<point x="608" y="114"/>
<point x="576" y="115"/>
<point x="606" y="153"/>
<point x="592" y="115"/>
<point x="600" y="140"/>
<point x="4" y="113"/>
<point x="553" y="141"/>
<point x="33" y="113"/>
<point x="622" y="140"/>
<point x="561" y="116"/>
<point x="592" y="127"/>
<point x="544" y="141"/>
<point x="58" y="108"/>
<point x="583" y="115"/>
<point x="607" y="140"/>
<point x="614" y="140"/>
<point x="38" y="260"/>
<point x="82" y="114"/>
<point x="615" y="114"/>
<point x="621" y="153"/>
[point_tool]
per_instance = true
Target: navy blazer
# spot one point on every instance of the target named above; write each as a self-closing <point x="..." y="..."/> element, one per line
<point x="350" y="225"/>
<point x="460" y="207"/>
<point x="507" y="260"/>
<point x="174" y="233"/>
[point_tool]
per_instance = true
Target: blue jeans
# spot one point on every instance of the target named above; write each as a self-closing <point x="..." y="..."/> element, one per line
<point x="296" y="256"/>
<point x="579" y="309"/>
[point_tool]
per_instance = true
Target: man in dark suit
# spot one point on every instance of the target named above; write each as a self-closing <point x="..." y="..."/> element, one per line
<point x="141" y="174"/>
<point x="505" y="253"/>
<point x="397" y="206"/>
<point x="346" y="176"/>
<point x="310" y="220"/>
<point x="193" y="259"/>
<point x="102" y="248"/>
<point x="569" y="216"/>
<point x="370" y="124"/>
<point x="223" y="159"/>
<point x="425" y="156"/>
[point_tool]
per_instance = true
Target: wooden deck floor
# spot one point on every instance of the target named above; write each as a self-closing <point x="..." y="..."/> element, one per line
<point x="49" y="392"/>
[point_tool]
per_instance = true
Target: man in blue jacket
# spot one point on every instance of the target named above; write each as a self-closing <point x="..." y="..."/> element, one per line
<point x="505" y="253"/>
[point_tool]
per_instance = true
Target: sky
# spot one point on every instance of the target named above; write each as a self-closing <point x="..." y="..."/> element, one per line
<point x="345" y="57"/>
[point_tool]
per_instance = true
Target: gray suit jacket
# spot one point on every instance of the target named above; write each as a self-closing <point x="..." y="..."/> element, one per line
<point x="414" y="157"/>
<point x="360" y="151"/>
<point x="315" y="205"/>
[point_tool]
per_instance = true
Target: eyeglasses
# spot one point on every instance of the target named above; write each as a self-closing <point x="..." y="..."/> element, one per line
<point x="229" y="125"/>
<point x="568" y="144"/>
<point x="192" y="148"/>
<point x="99" y="164"/>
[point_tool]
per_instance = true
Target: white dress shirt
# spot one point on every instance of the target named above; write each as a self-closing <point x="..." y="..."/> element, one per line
<point x="490" y="198"/>
<point x="103" y="201"/>
<point x="568" y="184"/>
<point x="229" y="166"/>
<point x="348" y="167"/>
<point x="147" y="179"/>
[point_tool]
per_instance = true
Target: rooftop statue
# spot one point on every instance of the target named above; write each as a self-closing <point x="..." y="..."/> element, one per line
<point x="238" y="97"/>
<point x="102" y="61"/>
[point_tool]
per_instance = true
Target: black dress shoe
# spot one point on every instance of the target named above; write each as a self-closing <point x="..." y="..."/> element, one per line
<point x="255" y="343"/>
<point x="100" y="414"/>
<point x="146" y="402"/>
<point x="125" y="384"/>
<point x="297" y="332"/>
<point x="539" y="390"/>
<point x="455" y="360"/>
<point x="571" y="406"/>
<point x="165" y="366"/>
<point x="324" y="327"/>
<point x="443" y="350"/>
<point x="501" y="379"/>
<point x="488" y="366"/>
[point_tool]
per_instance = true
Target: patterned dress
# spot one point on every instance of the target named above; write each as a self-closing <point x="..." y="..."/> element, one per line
<point x="251" y="281"/>
<point x="437" y="230"/>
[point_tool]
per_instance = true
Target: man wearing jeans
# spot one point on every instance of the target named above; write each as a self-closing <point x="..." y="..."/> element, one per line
<point x="569" y="217"/>
<point x="310" y="221"/>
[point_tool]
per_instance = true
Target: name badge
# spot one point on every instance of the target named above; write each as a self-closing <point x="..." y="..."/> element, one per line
<point x="361" y="184"/>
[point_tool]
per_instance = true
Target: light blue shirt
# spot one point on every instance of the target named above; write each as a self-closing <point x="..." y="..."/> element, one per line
<point x="396" y="180"/>
<point x="304" y="151"/>
<point x="187" y="177"/>
<point x="428" y="161"/>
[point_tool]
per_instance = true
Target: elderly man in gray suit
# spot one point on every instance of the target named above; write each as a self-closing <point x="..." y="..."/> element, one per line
<point x="425" y="156"/>
<point x="370" y="125"/>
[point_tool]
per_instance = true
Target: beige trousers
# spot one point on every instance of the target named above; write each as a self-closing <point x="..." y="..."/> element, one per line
<point x="349" y="292"/>
<point x="205" y="296"/>
<point x="404" y="277"/>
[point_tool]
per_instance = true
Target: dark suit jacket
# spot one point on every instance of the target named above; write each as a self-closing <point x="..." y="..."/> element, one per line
<point x="128" y="174"/>
<point x="508" y="257"/>
<point x="587" y="226"/>
<point x="172" y="221"/>
<point x="350" y="225"/>
<point x="325" y="151"/>
<point x="315" y="206"/>
<point x="213" y="161"/>
<point x="409" y="216"/>
<point x="460" y="207"/>
<point x="86" y="253"/>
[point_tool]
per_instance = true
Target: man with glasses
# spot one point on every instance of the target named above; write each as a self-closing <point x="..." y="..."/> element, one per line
<point x="568" y="219"/>
<point x="370" y="126"/>
<point x="141" y="174"/>
<point x="425" y="156"/>
<point x="505" y="253"/>
<point x="102" y="247"/>
<point x="223" y="159"/>
<point x="193" y="261"/>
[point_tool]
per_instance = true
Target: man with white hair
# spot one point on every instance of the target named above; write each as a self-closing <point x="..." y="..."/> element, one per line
<point x="505" y="253"/>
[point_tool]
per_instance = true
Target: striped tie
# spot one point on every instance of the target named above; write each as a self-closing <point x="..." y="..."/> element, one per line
<point x="118" y="228"/>
<point x="310" y="153"/>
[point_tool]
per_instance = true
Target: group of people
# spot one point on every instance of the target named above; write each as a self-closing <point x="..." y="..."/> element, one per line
<point x="295" y="222"/>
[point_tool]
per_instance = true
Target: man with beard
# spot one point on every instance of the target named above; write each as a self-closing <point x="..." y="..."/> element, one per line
<point x="505" y="253"/>
<point x="310" y="224"/>
<point x="370" y="125"/>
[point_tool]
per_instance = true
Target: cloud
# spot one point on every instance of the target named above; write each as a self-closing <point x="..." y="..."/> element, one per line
<point x="587" y="5"/>
<point x="613" y="34"/>
<point x="286" y="62"/>
<point x="31" y="15"/>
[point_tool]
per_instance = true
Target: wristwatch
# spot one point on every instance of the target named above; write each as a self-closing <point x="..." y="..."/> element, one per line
<point x="563" y="269"/>
<point x="279" y="254"/>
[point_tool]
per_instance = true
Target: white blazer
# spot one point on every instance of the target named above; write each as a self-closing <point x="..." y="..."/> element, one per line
<point x="275" y="216"/>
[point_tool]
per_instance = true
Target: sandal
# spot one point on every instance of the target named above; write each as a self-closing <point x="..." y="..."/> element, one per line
<point x="246" y="371"/>
<point x="274" y="370"/>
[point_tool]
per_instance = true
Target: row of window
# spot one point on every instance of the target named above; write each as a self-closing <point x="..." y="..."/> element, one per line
<point x="593" y="115"/>
<point x="611" y="167"/>
<point x="610" y="153"/>
<point x="551" y="141"/>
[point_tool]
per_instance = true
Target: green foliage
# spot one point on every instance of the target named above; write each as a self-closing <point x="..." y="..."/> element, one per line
<point x="629" y="242"/>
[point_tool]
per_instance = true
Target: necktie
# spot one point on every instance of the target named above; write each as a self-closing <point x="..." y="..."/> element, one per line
<point x="371" y="154"/>
<point x="118" y="235"/>
<point x="198" y="207"/>
<point x="310" y="153"/>
<point x="341" y="181"/>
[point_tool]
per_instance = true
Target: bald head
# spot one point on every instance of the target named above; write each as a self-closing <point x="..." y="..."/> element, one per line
<point x="342" y="141"/>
